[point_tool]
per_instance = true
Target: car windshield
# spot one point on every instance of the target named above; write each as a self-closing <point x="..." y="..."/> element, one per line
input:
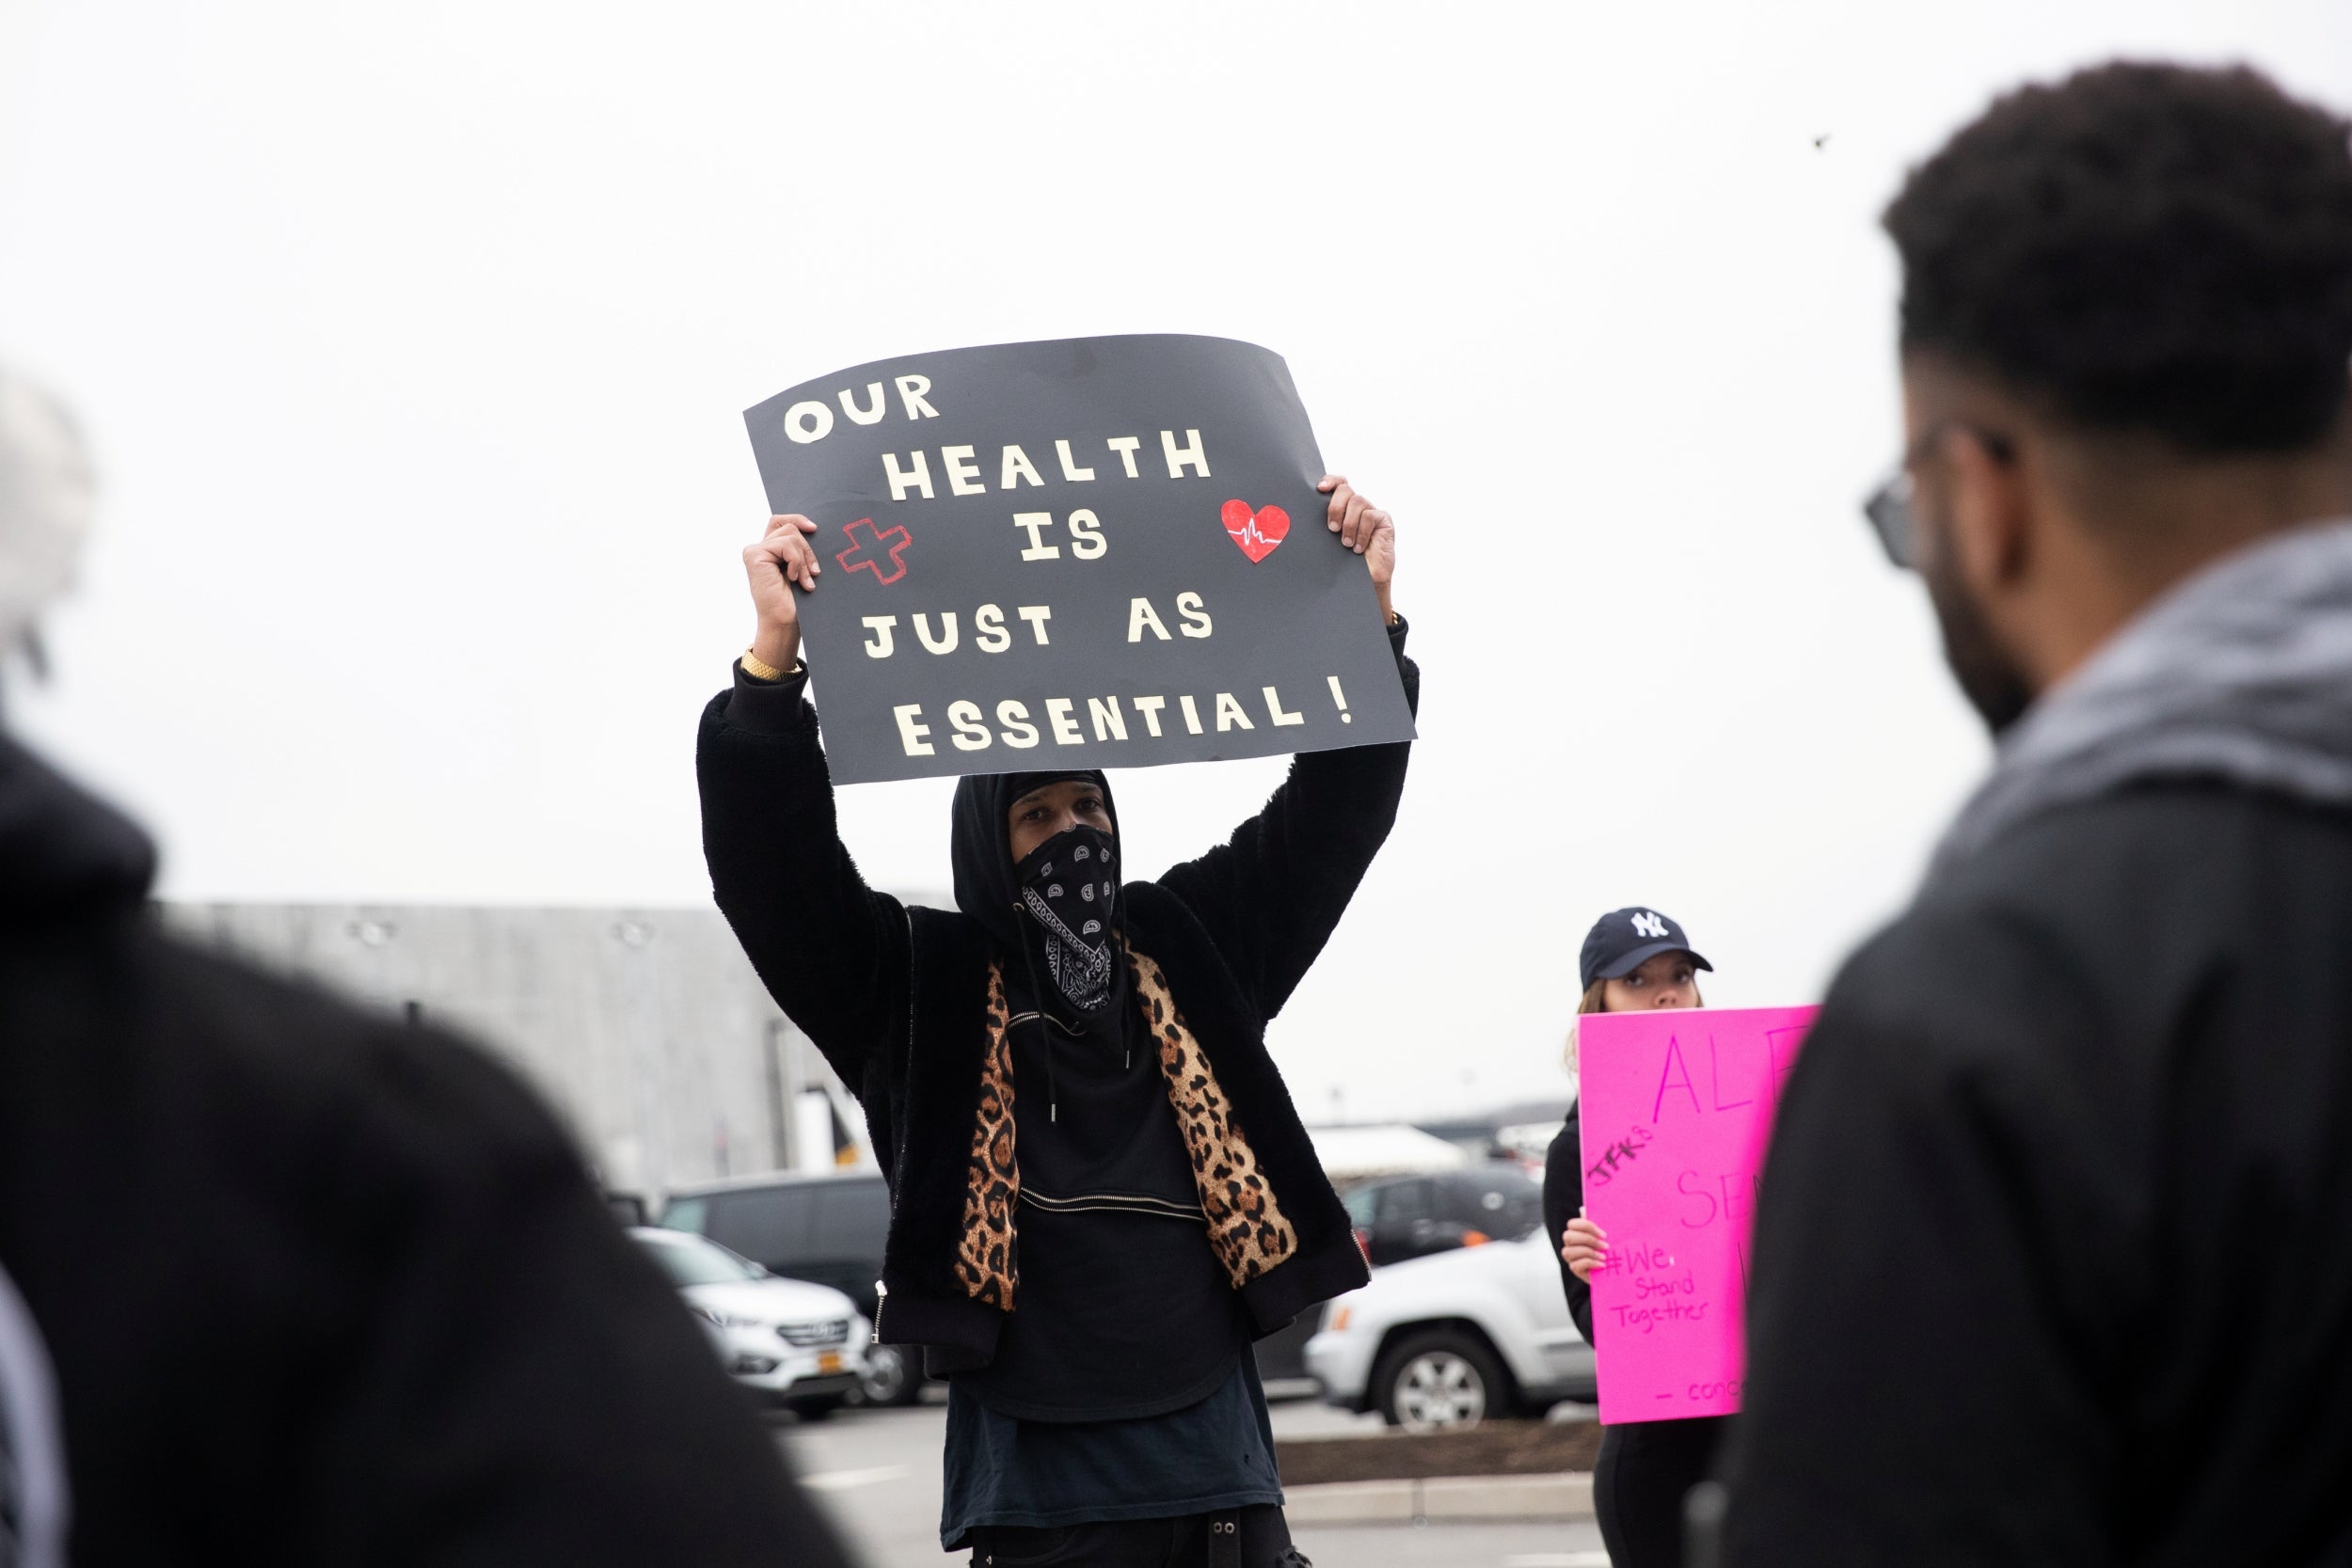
<point x="1499" y="1202"/>
<point x="690" y="1260"/>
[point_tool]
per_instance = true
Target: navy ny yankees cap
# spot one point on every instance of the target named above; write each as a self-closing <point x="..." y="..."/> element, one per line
<point x="1623" y="940"/>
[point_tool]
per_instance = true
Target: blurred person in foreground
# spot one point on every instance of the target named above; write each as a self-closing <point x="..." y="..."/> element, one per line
<point x="2054" y="1253"/>
<point x="281" y="1282"/>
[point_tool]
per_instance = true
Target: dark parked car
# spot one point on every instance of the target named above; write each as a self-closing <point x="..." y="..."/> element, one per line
<point x="829" y="1226"/>
<point x="1398" y="1218"/>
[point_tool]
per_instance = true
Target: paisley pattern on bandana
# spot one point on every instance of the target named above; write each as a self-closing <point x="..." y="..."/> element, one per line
<point x="1067" y="888"/>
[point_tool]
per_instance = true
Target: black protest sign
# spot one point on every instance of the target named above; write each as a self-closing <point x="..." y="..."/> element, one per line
<point x="1104" y="552"/>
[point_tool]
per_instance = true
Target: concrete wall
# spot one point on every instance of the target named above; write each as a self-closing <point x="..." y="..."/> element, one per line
<point x="648" y="1028"/>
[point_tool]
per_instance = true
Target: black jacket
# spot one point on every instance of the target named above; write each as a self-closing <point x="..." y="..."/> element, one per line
<point x="2054" y="1253"/>
<point x="316" y="1288"/>
<point x="896" y="997"/>
<point x="1564" y="1200"/>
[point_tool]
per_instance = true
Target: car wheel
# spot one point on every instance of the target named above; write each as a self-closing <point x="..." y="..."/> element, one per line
<point x="1440" y="1381"/>
<point x="817" y="1407"/>
<point x="890" y="1377"/>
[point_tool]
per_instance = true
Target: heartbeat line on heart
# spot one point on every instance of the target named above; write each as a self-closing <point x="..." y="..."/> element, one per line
<point x="1255" y="529"/>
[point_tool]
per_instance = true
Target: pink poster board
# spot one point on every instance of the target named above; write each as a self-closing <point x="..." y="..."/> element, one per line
<point x="1676" y="1109"/>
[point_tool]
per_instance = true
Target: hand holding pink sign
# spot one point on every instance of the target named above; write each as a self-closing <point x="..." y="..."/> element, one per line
<point x="1676" y="1110"/>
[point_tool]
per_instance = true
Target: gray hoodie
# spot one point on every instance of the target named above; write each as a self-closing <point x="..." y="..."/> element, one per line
<point x="2243" y="674"/>
<point x="32" y="1448"/>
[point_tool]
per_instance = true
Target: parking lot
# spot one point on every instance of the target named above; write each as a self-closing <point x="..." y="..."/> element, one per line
<point x="877" y="1473"/>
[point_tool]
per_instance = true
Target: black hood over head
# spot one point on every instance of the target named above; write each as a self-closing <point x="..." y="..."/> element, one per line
<point x="987" y="888"/>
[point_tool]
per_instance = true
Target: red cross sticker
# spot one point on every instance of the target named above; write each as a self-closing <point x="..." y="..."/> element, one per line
<point x="868" y="543"/>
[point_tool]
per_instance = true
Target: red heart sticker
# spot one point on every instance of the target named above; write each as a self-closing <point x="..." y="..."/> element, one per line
<point x="1257" y="533"/>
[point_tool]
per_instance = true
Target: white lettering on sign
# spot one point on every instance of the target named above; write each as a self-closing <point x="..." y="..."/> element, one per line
<point x="903" y="480"/>
<point x="1018" y="732"/>
<point x="811" y="420"/>
<point x="808" y="421"/>
<point x="946" y="642"/>
<point x="1141" y="618"/>
<point x="1018" y="469"/>
<point x="1180" y="458"/>
<point x="1037" y="523"/>
<point x="963" y="475"/>
<point x="1194" y="616"/>
<point x="913" y="390"/>
<point x="1087" y="540"/>
<point x="971" y="733"/>
<point x="912" y="730"/>
<point x="1015" y="469"/>
<point x="1107" y="715"/>
<point x="991" y="633"/>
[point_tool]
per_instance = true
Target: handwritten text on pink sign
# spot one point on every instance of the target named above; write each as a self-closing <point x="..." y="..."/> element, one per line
<point x="1677" y="1107"/>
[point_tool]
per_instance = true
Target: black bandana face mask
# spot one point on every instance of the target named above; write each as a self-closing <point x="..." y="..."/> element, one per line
<point x="1067" y="888"/>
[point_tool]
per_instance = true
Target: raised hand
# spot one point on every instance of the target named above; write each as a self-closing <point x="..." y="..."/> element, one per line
<point x="779" y="558"/>
<point x="1366" y="529"/>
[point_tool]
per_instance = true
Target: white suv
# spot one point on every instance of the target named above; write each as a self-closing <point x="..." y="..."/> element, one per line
<point x="799" y="1344"/>
<point x="1443" y="1342"/>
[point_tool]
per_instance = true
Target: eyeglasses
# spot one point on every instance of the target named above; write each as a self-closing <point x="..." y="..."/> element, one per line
<point x="1888" y="511"/>
<point x="1888" y="507"/>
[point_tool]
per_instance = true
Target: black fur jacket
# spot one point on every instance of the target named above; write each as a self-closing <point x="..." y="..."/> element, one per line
<point x="899" y="1000"/>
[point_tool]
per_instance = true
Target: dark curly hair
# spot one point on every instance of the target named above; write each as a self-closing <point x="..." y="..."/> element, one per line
<point x="2143" y="249"/>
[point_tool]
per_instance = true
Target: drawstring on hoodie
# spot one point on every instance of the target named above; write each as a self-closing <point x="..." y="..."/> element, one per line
<point x="1053" y="1098"/>
<point x="1048" y="1024"/>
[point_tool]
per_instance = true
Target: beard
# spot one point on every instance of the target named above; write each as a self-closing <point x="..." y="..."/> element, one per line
<point x="1991" y="681"/>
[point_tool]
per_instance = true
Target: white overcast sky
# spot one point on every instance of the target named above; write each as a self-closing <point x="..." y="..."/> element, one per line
<point x="413" y="340"/>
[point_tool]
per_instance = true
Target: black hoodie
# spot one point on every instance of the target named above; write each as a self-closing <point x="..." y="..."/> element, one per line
<point x="988" y="887"/>
<point x="1124" y="1312"/>
<point x="897" y="997"/>
<point x="316" y="1287"/>
<point x="2052" y="1258"/>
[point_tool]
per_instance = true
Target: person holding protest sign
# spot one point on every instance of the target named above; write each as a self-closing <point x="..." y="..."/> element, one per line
<point x="1633" y="959"/>
<point x="2049" y="1259"/>
<point x="1100" y="1192"/>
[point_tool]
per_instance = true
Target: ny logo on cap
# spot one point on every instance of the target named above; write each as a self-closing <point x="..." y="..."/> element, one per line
<point x="1648" y="925"/>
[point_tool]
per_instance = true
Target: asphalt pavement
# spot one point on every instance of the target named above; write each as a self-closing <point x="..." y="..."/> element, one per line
<point x="877" y="1473"/>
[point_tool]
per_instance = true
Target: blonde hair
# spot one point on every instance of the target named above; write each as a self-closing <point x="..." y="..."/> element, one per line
<point x="1596" y="999"/>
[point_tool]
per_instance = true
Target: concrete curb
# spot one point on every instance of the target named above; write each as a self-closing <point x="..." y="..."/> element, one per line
<point x="1441" y="1499"/>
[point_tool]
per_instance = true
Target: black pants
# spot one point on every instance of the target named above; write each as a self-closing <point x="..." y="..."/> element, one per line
<point x="1253" y="1537"/>
<point x="1646" y="1469"/>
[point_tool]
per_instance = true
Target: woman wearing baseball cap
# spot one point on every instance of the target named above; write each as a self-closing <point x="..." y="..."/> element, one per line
<point x="1633" y="959"/>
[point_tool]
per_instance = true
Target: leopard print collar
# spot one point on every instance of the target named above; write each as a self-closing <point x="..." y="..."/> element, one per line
<point x="1246" y="1229"/>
